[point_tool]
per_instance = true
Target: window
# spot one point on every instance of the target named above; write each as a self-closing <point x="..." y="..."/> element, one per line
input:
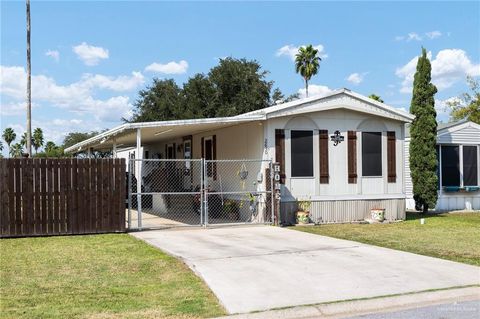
<point x="371" y="154"/>
<point x="470" y="169"/>
<point x="302" y="153"/>
<point x="450" y="166"/>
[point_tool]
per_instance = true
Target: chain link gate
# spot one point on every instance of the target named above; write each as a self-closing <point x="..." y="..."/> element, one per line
<point x="237" y="191"/>
<point x="198" y="192"/>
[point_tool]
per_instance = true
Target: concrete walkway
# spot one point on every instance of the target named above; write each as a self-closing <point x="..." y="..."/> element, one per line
<point x="258" y="268"/>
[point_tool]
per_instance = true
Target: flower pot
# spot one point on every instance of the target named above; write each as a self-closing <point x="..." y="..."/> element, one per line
<point x="378" y="214"/>
<point x="303" y="217"/>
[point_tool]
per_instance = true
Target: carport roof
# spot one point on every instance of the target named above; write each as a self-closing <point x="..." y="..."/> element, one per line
<point x="124" y="135"/>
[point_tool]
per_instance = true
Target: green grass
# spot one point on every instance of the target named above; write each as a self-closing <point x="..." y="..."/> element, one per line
<point x="97" y="276"/>
<point x="450" y="236"/>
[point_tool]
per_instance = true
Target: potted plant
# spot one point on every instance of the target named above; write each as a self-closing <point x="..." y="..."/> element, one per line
<point x="231" y="209"/>
<point x="377" y="214"/>
<point x="303" y="212"/>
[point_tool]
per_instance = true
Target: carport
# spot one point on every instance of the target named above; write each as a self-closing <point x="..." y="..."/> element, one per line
<point x="192" y="190"/>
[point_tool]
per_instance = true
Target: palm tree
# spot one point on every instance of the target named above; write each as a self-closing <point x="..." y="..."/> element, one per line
<point x="16" y="150"/>
<point x="29" y="86"/>
<point x="37" y="139"/>
<point x="50" y="147"/>
<point x="9" y="136"/>
<point x="307" y="63"/>
<point x="23" y="140"/>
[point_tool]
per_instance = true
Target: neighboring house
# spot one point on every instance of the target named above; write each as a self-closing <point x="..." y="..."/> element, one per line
<point x="344" y="179"/>
<point x="458" y="154"/>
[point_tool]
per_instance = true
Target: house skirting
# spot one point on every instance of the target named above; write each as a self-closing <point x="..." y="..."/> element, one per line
<point x="343" y="211"/>
<point x="453" y="201"/>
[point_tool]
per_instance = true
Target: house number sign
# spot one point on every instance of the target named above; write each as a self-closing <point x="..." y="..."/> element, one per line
<point x="336" y="138"/>
<point x="276" y="178"/>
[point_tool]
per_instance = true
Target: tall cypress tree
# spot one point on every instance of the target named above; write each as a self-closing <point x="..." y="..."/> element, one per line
<point x="423" y="133"/>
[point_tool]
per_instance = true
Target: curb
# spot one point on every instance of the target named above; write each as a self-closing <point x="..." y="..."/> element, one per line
<point x="344" y="309"/>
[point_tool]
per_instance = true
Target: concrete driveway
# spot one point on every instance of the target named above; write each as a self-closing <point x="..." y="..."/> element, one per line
<point x="262" y="267"/>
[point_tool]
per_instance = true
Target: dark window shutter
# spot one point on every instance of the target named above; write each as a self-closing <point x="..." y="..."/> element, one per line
<point x="280" y="152"/>
<point x="352" y="157"/>
<point x="202" y="142"/>
<point x="323" y="134"/>
<point x="214" y="156"/>
<point x="174" y="150"/>
<point x="166" y="151"/>
<point x="391" y="157"/>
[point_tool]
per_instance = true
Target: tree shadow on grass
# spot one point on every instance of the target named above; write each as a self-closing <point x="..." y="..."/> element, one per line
<point x="417" y="215"/>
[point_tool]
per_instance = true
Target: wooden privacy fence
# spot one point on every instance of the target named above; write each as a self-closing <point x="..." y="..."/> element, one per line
<point x="61" y="196"/>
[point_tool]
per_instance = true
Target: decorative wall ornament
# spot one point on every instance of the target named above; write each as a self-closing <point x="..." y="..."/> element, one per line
<point x="336" y="138"/>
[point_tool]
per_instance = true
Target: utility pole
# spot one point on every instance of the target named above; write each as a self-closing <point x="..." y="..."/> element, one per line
<point x="29" y="86"/>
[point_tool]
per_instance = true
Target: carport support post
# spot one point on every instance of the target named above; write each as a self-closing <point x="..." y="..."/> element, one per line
<point x="114" y="148"/>
<point x="139" y="156"/>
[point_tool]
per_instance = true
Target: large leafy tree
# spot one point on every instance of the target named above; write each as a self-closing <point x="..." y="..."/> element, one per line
<point x="232" y="87"/>
<point x="161" y="101"/>
<point x="199" y="96"/>
<point x="307" y="63"/>
<point x="240" y="85"/>
<point x="423" y="132"/>
<point x="37" y="139"/>
<point x="77" y="137"/>
<point x="467" y="106"/>
<point x="9" y="136"/>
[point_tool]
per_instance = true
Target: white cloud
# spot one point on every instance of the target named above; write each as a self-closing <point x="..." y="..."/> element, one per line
<point x="355" y="78"/>
<point x="291" y="50"/>
<point x="414" y="36"/>
<point x="448" y="67"/>
<point x="120" y="83"/>
<point x="443" y="106"/>
<point x="314" y="90"/>
<point x="89" y="54"/>
<point x="14" y="108"/>
<point x="54" y="54"/>
<point x="168" y="68"/>
<point x="76" y="97"/>
<point x="433" y="34"/>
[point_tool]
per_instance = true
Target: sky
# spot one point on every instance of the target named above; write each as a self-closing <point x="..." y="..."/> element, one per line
<point x="90" y="58"/>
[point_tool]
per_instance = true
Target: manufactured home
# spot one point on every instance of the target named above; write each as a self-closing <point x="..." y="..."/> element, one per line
<point x="342" y="153"/>
<point x="458" y="155"/>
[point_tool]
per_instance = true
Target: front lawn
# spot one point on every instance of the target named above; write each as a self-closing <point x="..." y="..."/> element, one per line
<point x="450" y="236"/>
<point x="97" y="276"/>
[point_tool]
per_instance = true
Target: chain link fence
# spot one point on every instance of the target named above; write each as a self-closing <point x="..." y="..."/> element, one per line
<point x="237" y="191"/>
<point x="169" y="193"/>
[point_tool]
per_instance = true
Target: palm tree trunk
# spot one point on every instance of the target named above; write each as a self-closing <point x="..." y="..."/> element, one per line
<point x="29" y="86"/>
<point x="306" y="87"/>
